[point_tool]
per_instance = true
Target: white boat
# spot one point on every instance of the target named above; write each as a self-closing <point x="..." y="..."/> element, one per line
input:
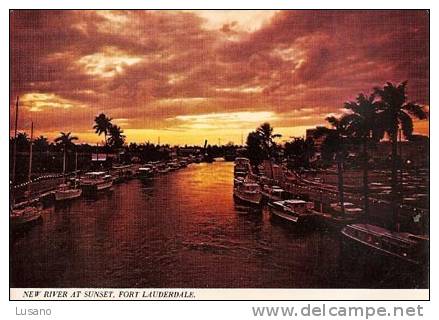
<point x="67" y="191"/>
<point x="122" y="173"/>
<point x="274" y="193"/>
<point x="349" y="209"/>
<point x="21" y="215"/>
<point x="162" y="168"/>
<point x="247" y="192"/>
<point x="242" y="167"/>
<point x="296" y="211"/>
<point x="173" y="165"/>
<point x="401" y="245"/>
<point x="145" y="172"/>
<point x="96" y="181"/>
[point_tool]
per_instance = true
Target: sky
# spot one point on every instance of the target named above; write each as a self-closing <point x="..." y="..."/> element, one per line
<point x="186" y="76"/>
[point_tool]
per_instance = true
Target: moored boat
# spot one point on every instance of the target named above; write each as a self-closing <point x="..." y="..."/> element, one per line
<point x="21" y="215"/>
<point x="247" y="192"/>
<point x="67" y="191"/>
<point x="295" y="211"/>
<point x="402" y="246"/>
<point x="96" y="181"/>
<point x="274" y="193"/>
<point x="349" y="209"/>
<point x="242" y="167"/>
<point x="145" y="172"/>
<point x="162" y="168"/>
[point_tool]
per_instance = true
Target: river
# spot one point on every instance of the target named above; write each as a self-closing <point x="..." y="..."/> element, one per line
<point x="180" y="230"/>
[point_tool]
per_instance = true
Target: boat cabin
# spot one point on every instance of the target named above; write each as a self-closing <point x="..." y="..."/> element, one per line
<point x="295" y="205"/>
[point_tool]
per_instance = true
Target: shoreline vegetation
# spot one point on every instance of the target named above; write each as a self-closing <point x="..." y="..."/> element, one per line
<point x="345" y="153"/>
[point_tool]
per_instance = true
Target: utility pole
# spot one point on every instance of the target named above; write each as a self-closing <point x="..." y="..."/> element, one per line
<point x="15" y="143"/>
<point x="29" y="175"/>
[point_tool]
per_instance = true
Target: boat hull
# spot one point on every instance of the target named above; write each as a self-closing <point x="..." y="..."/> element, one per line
<point x="389" y="270"/>
<point x="292" y="218"/>
<point x="252" y="200"/>
<point x="93" y="188"/>
<point x="67" y="194"/>
<point x="21" y="218"/>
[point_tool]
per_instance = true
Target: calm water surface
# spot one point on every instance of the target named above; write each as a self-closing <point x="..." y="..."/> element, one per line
<point x="179" y="230"/>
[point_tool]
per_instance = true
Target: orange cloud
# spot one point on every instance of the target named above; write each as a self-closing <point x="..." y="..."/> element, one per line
<point x="173" y="72"/>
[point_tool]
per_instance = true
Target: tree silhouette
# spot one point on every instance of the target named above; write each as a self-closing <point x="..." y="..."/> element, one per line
<point x="335" y="143"/>
<point x="102" y="125"/>
<point x="66" y="141"/>
<point x="116" y="138"/>
<point x="265" y="132"/>
<point x="41" y="144"/>
<point x="361" y="124"/>
<point x="255" y="152"/>
<point x="300" y="150"/>
<point x="396" y="113"/>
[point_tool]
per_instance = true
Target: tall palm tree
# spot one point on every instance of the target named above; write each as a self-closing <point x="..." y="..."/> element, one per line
<point x="396" y="113"/>
<point x="102" y="125"/>
<point x="300" y="150"/>
<point x="41" y="143"/>
<point x="361" y="124"/>
<point x="254" y="149"/>
<point x="116" y="139"/>
<point x="265" y="132"/>
<point x="66" y="141"/>
<point x="335" y="142"/>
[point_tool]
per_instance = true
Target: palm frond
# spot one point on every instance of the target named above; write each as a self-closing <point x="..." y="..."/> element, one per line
<point x="406" y="124"/>
<point x="416" y="110"/>
<point x="333" y="121"/>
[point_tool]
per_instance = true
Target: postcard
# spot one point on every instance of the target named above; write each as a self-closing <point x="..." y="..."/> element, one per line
<point x="219" y="155"/>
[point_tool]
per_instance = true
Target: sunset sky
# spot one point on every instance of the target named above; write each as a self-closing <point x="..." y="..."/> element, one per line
<point x="188" y="76"/>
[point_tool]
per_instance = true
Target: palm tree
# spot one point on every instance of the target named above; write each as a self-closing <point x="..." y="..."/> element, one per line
<point x="334" y="143"/>
<point x="361" y="124"/>
<point x="300" y="150"/>
<point x="116" y="139"/>
<point x="66" y="141"/>
<point x="254" y="149"/>
<point x="41" y="143"/>
<point x="396" y="113"/>
<point x="102" y="125"/>
<point x="265" y="132"/>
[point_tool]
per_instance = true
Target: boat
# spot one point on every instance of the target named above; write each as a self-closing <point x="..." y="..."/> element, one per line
<point x="242" y="167"/>
<point x="70" y="190"/>
<point x="96" y="181"/>
<point x="247" y="192"/>
<point x="293" y="210"/>
<point x="403" y="246"/>
<point x="24" y="214"/>
<point x="30" y="210"/>
<point x="123" y="172"/>
<point x="274" y="193"/>
<point x="349" y="209"/>
<point x="145" y="172"/>
<point x="67" y="191"/>
<point x="173" y="165"/>
<point x="183" y="163"/>
<point x="162" y="168"/>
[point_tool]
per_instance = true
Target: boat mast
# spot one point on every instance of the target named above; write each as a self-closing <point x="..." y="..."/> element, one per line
<point x="15" y="143"/>
<point x="30" y="156"/>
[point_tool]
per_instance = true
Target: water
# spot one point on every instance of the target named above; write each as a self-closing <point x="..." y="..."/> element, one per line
<point x="179" y="230"/>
